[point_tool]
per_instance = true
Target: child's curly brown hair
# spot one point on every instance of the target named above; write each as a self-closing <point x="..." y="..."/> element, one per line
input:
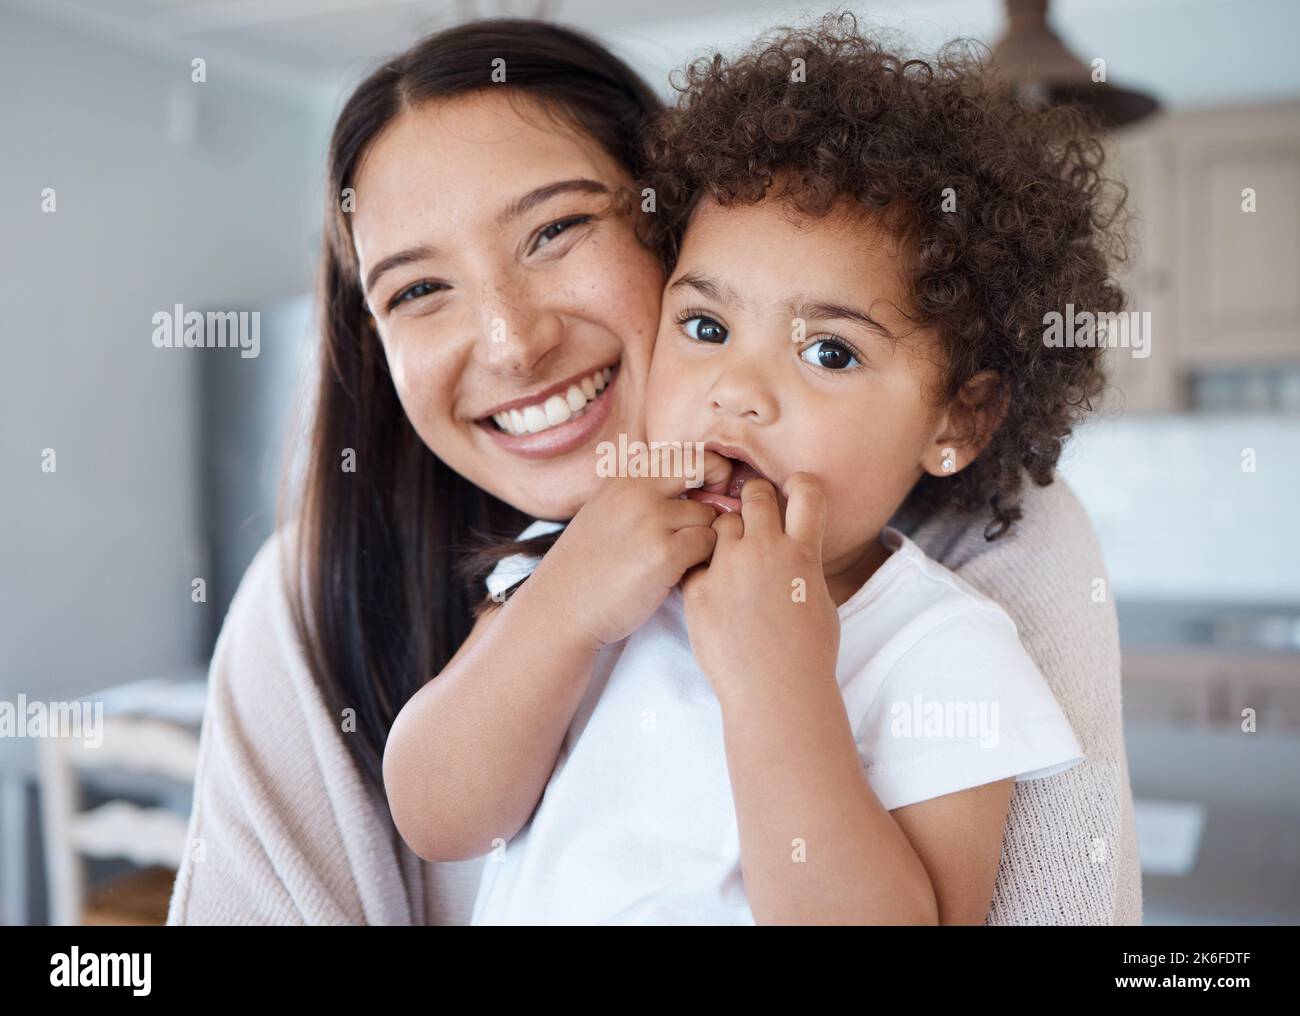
<point x="1035" y="225"/>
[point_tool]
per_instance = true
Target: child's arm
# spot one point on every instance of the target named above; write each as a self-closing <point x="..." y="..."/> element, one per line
<point x="817" y="845"/>
<point x="470" y="754"/>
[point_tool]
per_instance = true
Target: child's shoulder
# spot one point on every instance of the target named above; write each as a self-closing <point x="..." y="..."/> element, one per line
<point x="912" y="597"/>
<point x="911" y="573"/>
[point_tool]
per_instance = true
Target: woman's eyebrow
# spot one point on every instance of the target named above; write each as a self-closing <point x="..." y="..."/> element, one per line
<point x="536" y="196"/>
<point x="821" y="309"/>
<point x="402" y="257"/>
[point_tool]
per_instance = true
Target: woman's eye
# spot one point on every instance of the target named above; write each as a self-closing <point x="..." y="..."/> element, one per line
<point x="704" y="329"/>
<point x="829" y="354"/>
<point x="548" y="233"/>
<point x="415" y="292"/>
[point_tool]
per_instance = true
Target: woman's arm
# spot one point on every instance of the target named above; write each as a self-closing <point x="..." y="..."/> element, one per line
<point x="283" y="829"/>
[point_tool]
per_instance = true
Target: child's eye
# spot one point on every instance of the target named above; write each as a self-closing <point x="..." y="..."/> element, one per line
<point x="831" y="354"/>
<point x="704" y="329"/>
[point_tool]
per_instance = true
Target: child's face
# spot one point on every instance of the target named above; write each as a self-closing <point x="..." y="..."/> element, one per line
<point x="838" y="398"/>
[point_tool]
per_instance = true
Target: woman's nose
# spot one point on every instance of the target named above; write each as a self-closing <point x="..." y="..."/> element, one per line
<point x="516" y="333"/>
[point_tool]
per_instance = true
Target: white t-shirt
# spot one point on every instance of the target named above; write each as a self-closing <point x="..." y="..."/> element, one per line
<point x="637" y="824"/>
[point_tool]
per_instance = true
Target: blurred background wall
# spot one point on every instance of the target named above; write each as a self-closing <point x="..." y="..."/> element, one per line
<point x="167" y="192"/>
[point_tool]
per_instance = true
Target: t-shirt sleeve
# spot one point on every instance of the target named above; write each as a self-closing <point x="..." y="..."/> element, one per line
<point x="965" y="705"/>
<point x="509" y="571"/>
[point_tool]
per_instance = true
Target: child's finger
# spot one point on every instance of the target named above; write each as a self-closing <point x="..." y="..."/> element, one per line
<point x="716" y="472"/>
<point x="678" y="514"/>
<point x="805" y="510"/>
<point x="692" y="545"/>
<point x="675" y="467"/>
<point x="692" y="575"/>
<point x="730" y="528"/>
<point x="759" y="508"/>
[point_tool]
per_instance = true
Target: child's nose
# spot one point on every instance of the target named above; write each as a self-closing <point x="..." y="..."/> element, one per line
<point x="742" y="390"/>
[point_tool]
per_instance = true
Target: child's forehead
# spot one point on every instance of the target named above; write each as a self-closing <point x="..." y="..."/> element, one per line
<point x="777" y="220"/>
<point x="769" y="251"/>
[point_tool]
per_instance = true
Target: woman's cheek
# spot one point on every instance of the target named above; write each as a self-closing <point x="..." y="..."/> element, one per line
<point x="423" y="381"/>
<point x="406" y="380"/>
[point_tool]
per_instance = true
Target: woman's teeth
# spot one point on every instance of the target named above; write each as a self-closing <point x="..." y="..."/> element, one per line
<point x="557" y="409"/>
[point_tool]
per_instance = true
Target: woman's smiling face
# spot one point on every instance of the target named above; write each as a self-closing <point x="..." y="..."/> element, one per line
<point x="506" y="289"/>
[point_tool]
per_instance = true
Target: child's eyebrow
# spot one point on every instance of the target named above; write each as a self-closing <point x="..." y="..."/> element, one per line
<point x="821" y="309"/>
<point x="709" y="288"/>
<point x="720" y="292"/>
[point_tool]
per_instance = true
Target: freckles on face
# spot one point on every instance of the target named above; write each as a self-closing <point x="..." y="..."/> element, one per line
<point x="814" y="366"/>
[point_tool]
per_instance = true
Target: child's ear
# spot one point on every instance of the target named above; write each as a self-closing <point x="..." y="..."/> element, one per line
<point x="967" y="425"/>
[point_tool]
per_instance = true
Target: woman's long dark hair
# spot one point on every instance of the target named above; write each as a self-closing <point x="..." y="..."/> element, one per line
<point x="380" y="594"/>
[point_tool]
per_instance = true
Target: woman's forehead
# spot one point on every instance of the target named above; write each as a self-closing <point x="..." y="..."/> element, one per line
<point x="456" y="163"/>
<point x="477" y="142"/>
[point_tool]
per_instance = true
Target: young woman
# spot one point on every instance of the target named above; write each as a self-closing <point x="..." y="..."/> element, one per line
<point x="482" y="256"/>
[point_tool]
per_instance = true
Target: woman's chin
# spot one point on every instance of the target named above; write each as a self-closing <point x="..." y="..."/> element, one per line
<point x="552" y="473"/>
<point x="558" y="500"/>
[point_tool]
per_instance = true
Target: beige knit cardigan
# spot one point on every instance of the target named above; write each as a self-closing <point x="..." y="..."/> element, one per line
<point x="284" y="830"/>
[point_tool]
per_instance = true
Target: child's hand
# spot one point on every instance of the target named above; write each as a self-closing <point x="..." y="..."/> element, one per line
<point x="760" y="610"/>
<point x="626" y="548"/>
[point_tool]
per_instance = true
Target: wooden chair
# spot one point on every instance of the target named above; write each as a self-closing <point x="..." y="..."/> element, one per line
<point x="135" y="756"/>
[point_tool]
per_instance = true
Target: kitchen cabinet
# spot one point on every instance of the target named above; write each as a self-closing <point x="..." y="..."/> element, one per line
<point x="1222" y="283"/>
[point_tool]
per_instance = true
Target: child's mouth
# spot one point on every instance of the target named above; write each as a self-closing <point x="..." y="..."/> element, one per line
<point x="725" y="494"/>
